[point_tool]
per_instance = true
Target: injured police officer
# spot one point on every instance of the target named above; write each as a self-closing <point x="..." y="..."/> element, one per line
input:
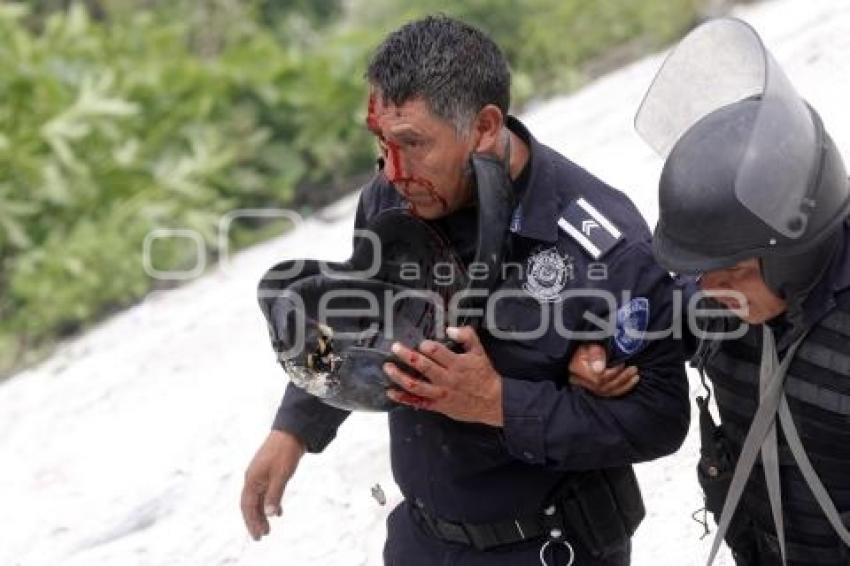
<point x="499" y="458"/>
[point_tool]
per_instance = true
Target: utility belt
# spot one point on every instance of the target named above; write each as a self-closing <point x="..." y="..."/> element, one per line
<point x="599" y="510"/>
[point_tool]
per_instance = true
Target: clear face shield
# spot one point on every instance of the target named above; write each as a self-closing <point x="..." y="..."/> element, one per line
<point x="722" y="62"/>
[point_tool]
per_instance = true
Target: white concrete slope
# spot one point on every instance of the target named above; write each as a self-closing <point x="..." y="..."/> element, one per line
<point x="127" y="447"/>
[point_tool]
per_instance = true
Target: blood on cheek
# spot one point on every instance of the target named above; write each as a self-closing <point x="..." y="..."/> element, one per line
<point x="393" y="156"/>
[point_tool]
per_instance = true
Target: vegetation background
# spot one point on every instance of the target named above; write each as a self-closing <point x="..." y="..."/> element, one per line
<point x="120" y="117"/>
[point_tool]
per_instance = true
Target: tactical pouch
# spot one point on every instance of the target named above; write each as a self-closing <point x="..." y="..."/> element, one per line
<point x="716" y="464"/>
<point x="714" y="471"/>
<point x="603" y="508"/>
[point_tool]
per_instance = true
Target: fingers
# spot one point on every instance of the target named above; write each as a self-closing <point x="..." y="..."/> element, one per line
<point x="251" y="503"/>
<point x="409" y="399"/>
<point x="438" y="352"/>
<point x="622" y="383"/>
<point x="417" y="387"/>
<point x="595" y="381"/>
<point x="466" y="336"/>
<point x="274" y="493"/>
<point x="597" y="357"/>
<point x="420" y="362"/>
<point x="614" y="382"/>
<point x="588" y="360"/>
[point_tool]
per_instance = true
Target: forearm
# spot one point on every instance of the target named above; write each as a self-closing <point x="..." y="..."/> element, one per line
<point x="567" y="428"/>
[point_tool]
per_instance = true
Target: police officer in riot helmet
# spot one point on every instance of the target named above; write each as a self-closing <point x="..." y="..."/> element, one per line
<point x="753" y="205"/>
<point x="704" y="228"/>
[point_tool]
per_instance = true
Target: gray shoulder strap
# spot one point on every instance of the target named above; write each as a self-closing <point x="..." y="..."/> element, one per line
<point x="809" y="473"/>
<point x="772" y="377"/>
<point x="762" y="438"/>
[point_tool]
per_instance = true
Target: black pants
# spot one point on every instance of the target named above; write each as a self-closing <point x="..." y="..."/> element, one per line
<point x="408" y="545"/>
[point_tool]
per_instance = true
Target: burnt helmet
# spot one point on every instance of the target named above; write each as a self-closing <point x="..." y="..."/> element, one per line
<point x="332" y="325"/>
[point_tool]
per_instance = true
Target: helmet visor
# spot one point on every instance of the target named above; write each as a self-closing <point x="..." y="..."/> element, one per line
<point x="720" y="63"/>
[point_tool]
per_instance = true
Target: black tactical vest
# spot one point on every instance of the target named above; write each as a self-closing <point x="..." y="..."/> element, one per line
<point x="818" y="392"/>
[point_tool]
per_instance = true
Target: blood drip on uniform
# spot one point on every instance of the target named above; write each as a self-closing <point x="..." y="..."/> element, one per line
<point x="399" y="179"/>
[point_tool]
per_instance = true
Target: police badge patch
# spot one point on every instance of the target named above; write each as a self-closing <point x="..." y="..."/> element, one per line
<point x="632" y="322"/>
<point x="547" y="273"/>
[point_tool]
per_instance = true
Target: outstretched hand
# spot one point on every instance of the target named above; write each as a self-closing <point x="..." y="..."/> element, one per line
<point x="265" y="480"/>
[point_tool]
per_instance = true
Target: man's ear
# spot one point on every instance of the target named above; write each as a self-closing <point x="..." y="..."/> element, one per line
<point x="487" y="127"/>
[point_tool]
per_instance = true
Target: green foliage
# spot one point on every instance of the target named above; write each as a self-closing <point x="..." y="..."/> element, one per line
<point x="120" y="117"/>
<point x="549" y="41"/>
<point x="111" y="130"/>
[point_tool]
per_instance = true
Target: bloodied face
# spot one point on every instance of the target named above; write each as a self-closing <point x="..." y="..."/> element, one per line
<point x="425" y="158"/>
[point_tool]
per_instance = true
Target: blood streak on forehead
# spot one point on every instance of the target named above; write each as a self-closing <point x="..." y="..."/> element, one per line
<point x="393" y="155"/>
<point x="372" y="116"/>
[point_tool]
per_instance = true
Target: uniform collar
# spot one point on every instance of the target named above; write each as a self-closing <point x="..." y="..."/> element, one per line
<point x="536" y="215"/>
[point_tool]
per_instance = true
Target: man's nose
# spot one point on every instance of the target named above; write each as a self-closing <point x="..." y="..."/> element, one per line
<point x="395" y="167"/>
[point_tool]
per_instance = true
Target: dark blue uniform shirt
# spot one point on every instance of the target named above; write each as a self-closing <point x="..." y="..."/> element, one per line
<point x="571" y="236"/>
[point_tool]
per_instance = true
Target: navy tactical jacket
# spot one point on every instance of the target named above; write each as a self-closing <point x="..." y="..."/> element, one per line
<point x="574" y="241"/>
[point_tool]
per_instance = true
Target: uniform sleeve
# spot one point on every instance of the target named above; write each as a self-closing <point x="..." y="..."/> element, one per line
<point x="549" y="422"/>
<point x="303" y="415"/>
<point x="308" y="419"/>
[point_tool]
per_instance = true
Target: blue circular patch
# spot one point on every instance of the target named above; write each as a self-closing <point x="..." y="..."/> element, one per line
<point x="632" y="322"/>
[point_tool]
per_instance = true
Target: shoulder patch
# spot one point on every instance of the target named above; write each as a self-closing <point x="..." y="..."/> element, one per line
<point x="632" y="322"/>
<point x="589" y="228"/>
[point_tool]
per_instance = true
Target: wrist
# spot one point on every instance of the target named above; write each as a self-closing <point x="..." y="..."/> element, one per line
<point x="288" y="442"/>
<point x="495" y="416"/>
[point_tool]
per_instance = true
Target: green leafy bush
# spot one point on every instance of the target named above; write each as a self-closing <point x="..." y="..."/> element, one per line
<point x="548" y="42"/>
<point x="167" y="114"/>
<point x="109" y="131"/>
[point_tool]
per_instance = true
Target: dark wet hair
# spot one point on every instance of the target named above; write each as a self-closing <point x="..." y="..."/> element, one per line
<point x="456" y="68"/>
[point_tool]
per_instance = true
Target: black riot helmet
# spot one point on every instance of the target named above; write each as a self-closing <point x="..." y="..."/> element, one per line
<point x="750" y="170"/>
<point x="333" y="325"/>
